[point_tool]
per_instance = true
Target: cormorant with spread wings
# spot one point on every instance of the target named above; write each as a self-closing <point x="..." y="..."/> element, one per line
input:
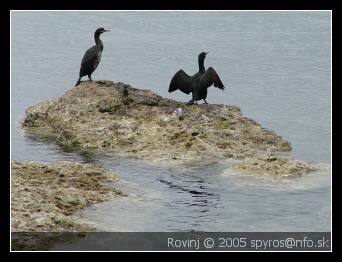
<point x="198" y="83"/>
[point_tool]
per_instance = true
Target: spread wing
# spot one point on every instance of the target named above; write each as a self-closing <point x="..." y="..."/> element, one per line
<point x="90" y="61"/>
<point x="181" y="81"/>
<point x="209" y="78"/>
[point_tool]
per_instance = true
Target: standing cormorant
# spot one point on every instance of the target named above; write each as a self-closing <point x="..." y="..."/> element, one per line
<point x="92" y="57"/>
<point x="198" y="83"/>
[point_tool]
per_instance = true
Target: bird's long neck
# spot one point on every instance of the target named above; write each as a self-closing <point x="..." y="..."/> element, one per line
<point x="98" y="40"/>
<point x="201" y="65"/>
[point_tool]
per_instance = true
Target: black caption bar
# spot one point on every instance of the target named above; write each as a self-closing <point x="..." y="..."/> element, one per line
<point x="172" y="241"/>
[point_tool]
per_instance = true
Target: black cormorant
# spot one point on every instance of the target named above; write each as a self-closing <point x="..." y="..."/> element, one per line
<point x="198" y="83"/>
<point x="92" y="57"/>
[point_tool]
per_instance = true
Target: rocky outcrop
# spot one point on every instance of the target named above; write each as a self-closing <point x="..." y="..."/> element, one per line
<point x="106" y="117"/>
<point x="45" y="197"/>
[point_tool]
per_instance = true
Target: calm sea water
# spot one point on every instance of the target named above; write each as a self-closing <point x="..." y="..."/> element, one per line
<point x="276" y="66"/>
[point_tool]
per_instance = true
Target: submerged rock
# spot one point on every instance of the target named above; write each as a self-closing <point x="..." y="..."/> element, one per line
<point x="106" y="117"/>
<point x="274" y="166"/>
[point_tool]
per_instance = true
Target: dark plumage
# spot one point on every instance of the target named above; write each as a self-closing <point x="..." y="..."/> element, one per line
<point x="92" y="57"/>
<point x="198" y="83"/>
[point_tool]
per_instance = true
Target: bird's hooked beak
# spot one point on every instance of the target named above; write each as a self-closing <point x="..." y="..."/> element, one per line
<point x="207" y="52"/>
<point x="107" y="30"/>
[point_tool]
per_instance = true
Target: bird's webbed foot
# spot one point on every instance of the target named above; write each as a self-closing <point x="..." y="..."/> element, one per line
<point x="91" y="80"/>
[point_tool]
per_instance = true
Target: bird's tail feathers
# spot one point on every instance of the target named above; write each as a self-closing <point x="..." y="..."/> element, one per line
<point x="78" y="81"/>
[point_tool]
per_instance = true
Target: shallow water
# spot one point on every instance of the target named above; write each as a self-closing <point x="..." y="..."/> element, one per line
<point x="210" y="199"/>
<point x="276" y="66"/>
